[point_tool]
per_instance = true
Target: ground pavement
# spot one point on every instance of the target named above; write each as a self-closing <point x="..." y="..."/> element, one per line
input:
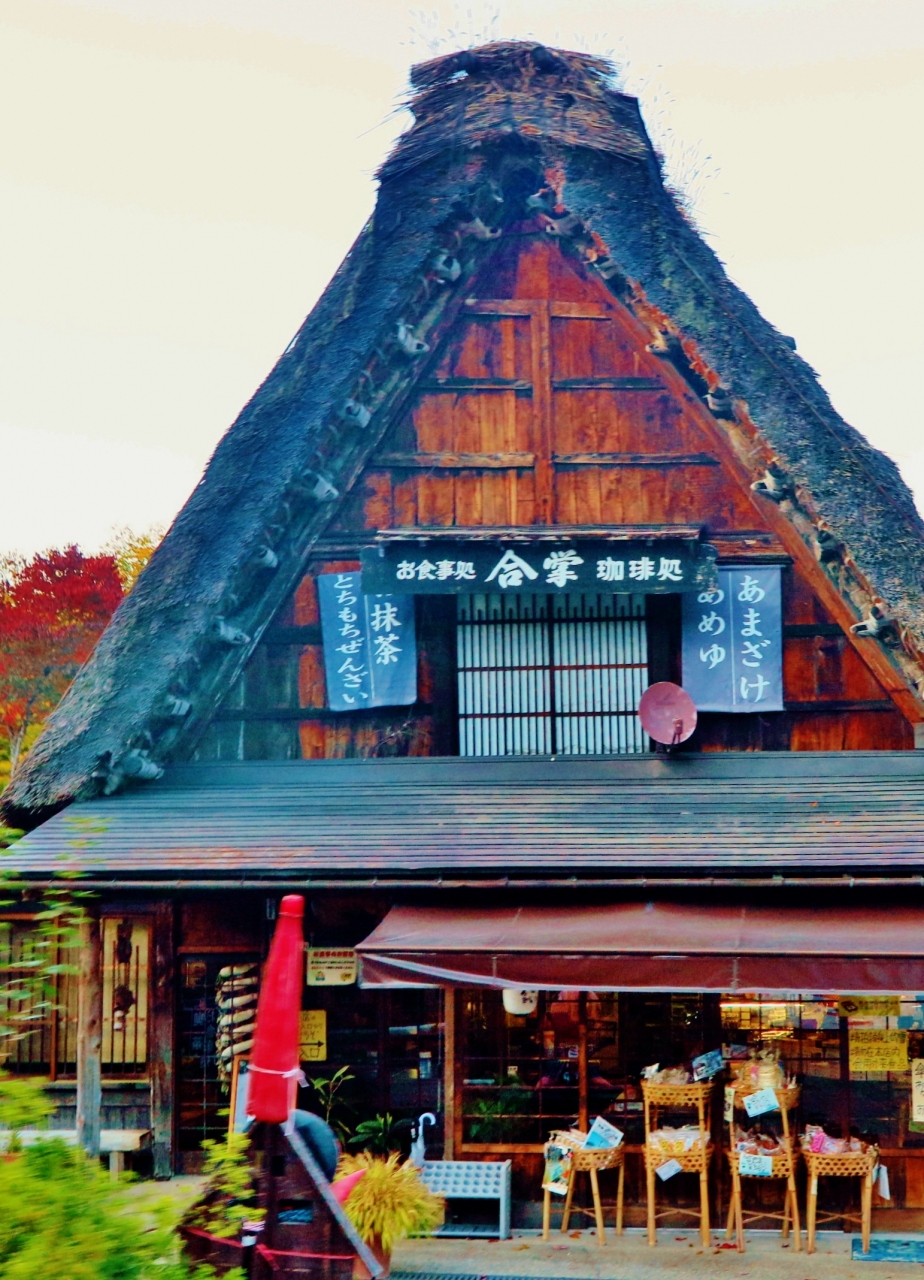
<point x="678" y="1255"/>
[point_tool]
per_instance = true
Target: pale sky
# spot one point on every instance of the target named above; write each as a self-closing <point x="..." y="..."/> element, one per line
<point x="179" y="179"/>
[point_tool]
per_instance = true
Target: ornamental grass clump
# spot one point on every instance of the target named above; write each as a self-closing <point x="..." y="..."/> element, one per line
<point x="391" y="1201"/>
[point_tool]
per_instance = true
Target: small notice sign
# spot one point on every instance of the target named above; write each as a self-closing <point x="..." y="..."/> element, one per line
<point x="869" y="1006"/>
<point x="668" y="1169"/>
<point x="756" y="1104"/>
<point x="708" y="1065"/>
<point x="312" y="1035"/>
<point x="874" y="1049"/>
<point x="751" y="1166"/>
<point x="603" y="1135"/>
<point x="331" y="966"/>
<point x="917" y="1090"/>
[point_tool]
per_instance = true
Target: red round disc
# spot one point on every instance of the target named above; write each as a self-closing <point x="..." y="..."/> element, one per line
<point x="667" y="713"/>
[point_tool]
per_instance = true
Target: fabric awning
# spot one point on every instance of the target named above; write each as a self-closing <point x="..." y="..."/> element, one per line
<point x="650" y="946"/>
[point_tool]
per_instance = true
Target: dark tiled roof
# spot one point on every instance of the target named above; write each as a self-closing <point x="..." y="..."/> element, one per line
<point x="755" y="813"/>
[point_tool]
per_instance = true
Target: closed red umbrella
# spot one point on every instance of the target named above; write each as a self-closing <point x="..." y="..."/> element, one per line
<point x="274" y="1067"/>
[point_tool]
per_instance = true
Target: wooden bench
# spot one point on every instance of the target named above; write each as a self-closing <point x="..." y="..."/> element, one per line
<point x="113" y="1143"/>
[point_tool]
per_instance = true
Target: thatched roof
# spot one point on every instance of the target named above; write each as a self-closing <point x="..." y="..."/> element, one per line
<point x="487" y="122"/>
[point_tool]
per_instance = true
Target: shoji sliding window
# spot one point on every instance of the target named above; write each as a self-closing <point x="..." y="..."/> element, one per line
<point x="551" y="675"/>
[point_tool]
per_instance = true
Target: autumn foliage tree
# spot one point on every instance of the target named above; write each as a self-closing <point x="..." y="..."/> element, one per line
<point x="53" y="609"/>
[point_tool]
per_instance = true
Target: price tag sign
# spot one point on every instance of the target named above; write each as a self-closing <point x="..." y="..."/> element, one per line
<point x="668" y="1169"/>
<point x="755" y="1104"/>
<point x="708" y="1065"/>
<point x="751" y="1166"/>
<point x="728" y="1112"/>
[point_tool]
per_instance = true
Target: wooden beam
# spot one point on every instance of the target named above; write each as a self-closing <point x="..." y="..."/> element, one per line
<point x="449" y="1073"/>
<point x="162" y="1056"/>
<point x="541" y="533"/>
<point x="634" y="460"/>
<point x="456" y="461"/>
<point x="89" y="1032"/>
<point x="369" y="716"/>
<point x="607" y="384"/>
<point x="457" y="385"/>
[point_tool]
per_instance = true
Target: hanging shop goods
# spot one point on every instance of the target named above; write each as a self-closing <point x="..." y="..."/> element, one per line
<point x="236" y="990"/>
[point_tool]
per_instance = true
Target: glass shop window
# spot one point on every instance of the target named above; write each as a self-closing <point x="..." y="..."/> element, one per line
<point x="559" y="675"/>
<point x="575" y="1056"/>
<point x="391" y="1044"/>
<point x="852" y="1056"/>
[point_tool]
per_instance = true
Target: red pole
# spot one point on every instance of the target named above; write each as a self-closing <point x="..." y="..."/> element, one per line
<point x="274" y="1064"/>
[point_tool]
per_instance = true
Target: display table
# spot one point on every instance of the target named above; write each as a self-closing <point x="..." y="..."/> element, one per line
<point x="592" y="1162"/>
<point x="660" y="1098"/>
<point x="783" y="1166"/>
<point x="851" y="1164"/>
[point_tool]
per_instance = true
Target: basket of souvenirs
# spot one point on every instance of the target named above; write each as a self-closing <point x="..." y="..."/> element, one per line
<point x="674" y="1088"/>
<point x="759" y="1154"/>
<point x="686" y="1144"/>
<point x="837" y="1157"/>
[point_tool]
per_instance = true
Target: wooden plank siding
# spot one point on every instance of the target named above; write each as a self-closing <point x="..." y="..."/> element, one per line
<point x="544" y="407"/>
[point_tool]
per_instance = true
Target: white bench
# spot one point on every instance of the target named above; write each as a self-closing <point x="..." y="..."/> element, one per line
<point x="113" y="1143"/>
<point x="471" y="1180"/>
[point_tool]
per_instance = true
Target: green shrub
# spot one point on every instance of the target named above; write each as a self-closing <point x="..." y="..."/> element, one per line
<point x="24" y="1104"/>
<point x="61" y="1216"/>
<point x="228" y="1199"/>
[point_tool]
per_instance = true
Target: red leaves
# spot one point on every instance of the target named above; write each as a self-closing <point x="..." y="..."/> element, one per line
<point x="52" y="611"/>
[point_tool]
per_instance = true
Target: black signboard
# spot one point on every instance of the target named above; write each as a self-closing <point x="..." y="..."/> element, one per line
<point x="448" y="568"/>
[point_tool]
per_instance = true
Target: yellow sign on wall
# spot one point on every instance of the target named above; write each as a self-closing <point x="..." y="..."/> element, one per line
<point x="312" y="1035"/>
<point x="872" y="1049"/>
<point x="331" y="966"/>
<point x="869" y="1006"/>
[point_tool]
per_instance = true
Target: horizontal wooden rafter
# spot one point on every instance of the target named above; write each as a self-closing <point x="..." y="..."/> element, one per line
<point x="456" y="385"/>
<point x="456" y="461"/>
<point x="635" y="460"/>
<point x="386" y="715"/>
<point x="607" y="384"/>
<point x="542" y="533"/>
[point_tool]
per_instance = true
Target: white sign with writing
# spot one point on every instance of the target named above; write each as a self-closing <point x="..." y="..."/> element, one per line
<point x="331" y="966"/>
<point x="755" y="1104"/>
<point x="751" y="1166"/>
<point x="917" y="1090"/>
<point x="668" y="1169"/>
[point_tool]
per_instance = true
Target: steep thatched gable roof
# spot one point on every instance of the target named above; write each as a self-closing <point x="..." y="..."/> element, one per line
<point x="490" y="125"/>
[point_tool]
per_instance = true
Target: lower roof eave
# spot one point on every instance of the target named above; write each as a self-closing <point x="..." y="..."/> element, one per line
<point x="261" y="881"/>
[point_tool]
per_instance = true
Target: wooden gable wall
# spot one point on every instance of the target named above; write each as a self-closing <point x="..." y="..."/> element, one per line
<point x="544" y="406"/>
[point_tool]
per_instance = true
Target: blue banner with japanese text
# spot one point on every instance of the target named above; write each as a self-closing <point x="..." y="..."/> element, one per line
<point x="370" y="648"/>
<point x="733" y="642"/>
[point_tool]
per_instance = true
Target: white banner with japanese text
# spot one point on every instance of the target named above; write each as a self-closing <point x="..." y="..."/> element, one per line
<point x="370" y="648"/>
<point x="733" y="642"/>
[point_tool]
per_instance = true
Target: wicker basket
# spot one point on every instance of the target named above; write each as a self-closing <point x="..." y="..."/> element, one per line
<point x="849" y="1164"/>
<point x="677" y="1095"/>
<point x="788" y="1098"/>
<point x="597" y="1158"/>
<point x="696" y="1160"/>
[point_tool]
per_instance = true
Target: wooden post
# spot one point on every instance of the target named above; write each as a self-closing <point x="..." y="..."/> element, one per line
<point x="449" y="1073"/>
<point x="89" y="1033"/>
<point x="583" y="1115"/>
<point x="160" y="1043"/>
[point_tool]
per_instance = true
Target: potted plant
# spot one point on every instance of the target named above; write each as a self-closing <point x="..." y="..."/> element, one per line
<point x="390" y="1202"/>
<point x="380" y="1135"/>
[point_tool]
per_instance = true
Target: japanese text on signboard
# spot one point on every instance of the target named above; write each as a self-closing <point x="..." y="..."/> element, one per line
<point x="733" y="642"/>
<point x="452" y="568"/>
<point x="370" y="650"/>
